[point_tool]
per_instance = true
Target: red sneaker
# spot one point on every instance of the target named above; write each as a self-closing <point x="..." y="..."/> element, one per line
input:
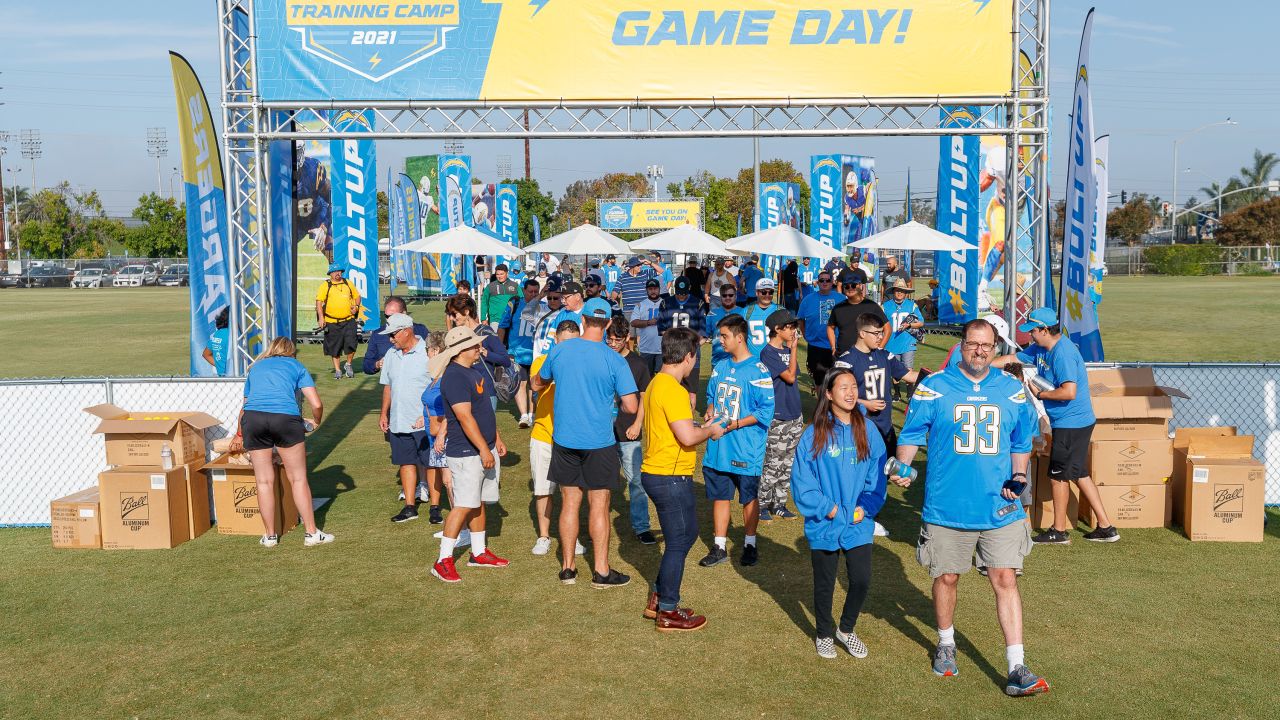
<point x="446" y="571"/>
<point x="487" y="559"/>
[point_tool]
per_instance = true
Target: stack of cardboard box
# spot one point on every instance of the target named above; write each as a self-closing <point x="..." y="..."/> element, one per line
<point x="139" y="504"/>
<point x="235" y="497"/>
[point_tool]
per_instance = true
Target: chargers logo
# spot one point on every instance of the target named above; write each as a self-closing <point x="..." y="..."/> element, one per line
<point x="373" y="39"/>
<point x="616" y="216"/>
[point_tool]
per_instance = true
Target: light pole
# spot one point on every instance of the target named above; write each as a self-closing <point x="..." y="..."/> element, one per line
<point x="655" y="174"/>
<point x="158" y="147"/>
<point x="173" y="174"/>
<point x="17" y="209"/>
<point x="1173" y="223"/>
<point x="32" y="149"/>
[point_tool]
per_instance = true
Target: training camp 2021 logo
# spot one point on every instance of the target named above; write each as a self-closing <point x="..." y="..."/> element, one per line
<point x="374" y="39"/>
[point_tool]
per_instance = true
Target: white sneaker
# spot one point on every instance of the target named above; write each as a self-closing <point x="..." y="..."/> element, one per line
<point x="880" y="531"/>
<point x="424" y="494"/>
<point x="526" y="420"/>
<point x="464" y="538"/>
<point x="578" y="549"/>
<point x="320" y="537"/>
<point x="269" y="541"/>
<point x="542" y="546"/>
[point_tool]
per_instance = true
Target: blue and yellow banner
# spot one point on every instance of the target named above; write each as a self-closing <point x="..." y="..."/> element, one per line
<point x="957" y="215"/>
<point x="355" y="210"/>
<point x="745" y="49"/>
<point x="507" y="224"/>
<point x="206" y="213"/>
<point x="779" y="204"/>
<point x="402" y="206"/>
<point x="455" y="211"/>
<point x="280" y="203"/>
<point x="625" y="215"/>
<point x="842" y="199"/>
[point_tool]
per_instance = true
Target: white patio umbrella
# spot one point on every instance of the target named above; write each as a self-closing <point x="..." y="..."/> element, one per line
<point x="685" y="239"/>
<point x="784" y="241"/>
<point x="913" y="236"/>
<point x="586" y="239"/>
<point x="461" y="240"/>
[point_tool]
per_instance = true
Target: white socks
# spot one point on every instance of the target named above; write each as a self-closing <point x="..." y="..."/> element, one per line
<point x="446" y="547"/>
<point x="721" y="541"/>
<point x="750" y="540"/>
<point x="1015" y="656"/>
<point x="947" y="636"/>
<point x="477" y="543"/>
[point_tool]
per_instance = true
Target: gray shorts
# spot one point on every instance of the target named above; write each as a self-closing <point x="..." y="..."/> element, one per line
<point x="472" y="484"/>
<point x="948" y="551"/>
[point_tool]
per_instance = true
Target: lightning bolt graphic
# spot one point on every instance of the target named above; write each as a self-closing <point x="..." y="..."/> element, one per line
<point x="373" y="61"/>
<point x="957" y="301"/>
<point x="982" y="5"/>
<point x="539" y="4"/>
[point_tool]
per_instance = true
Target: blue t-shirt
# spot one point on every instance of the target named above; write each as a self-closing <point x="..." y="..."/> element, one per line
<point x="786" y="395"/>
<point x="520" y="326"/>
<point x="971" y="429"/>
<point x="757" y="331"/>
<point x="901" y="341"/>
<point x="461" y="386"/>
<point x="272" y="385"/>
<point x="666" y="278"/>
<point x="219" y="345"/>
<point x="874" y="371"/>
<point x="1063" y="364"/>
<point x="687" y="314"/>
<point x="589" y="377"/>
<point x="432" y="406"/>
<point x="714" y="317"/>
<point x="815" y="310"/>
<point x="737" y="390"/>
<point x="751" y="275"/>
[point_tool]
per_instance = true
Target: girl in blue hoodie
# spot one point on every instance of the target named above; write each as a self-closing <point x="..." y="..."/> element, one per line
<point x="838" y="483"/>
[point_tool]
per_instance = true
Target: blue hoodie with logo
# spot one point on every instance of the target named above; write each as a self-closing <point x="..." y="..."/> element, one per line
<point x="837" y="478"/>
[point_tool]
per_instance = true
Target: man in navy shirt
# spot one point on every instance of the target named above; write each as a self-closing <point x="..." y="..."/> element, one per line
<point x="780" y="357"/>
<point x="684" y="310"/>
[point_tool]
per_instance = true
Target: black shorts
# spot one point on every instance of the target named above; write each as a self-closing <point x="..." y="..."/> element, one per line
<point x="587" y="469"/>
<point x="413" y="448"/>
<point x="818" y="360"/>
<point x="340" y="338"/>
<point x="264" y="430"/>
<point x="524" y="372"/>
<point x="1069" y="457"/>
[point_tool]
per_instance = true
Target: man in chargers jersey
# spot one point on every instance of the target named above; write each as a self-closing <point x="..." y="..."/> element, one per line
<point x="757" y="313"/>
<point x="727" y="305"/>
<point x="684" y="310"/>
<point x="516" y="328"/>
<point x="570" y="294"/>
<point x="979" y="428"/>
<point x="740" y="397"/>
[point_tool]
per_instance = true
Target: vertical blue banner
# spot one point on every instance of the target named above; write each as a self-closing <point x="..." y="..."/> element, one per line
<point x="778" y="206"/>
<point x="508" y="212"/>
<point x="355" y="210"/>
<point x="455" y="210"/>
<point x="957" y="215"/>
<point x="825" y="213"/>
<point x="280" y="205"/>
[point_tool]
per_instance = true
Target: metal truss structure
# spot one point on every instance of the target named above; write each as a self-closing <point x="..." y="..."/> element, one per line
<point x="250" y="123"/>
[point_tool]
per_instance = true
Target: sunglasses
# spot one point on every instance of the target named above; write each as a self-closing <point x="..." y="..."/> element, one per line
<point x="825" y="280"/>
<point x="764" y="292"/>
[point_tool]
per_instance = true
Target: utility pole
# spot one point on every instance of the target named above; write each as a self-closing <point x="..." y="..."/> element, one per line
<point x="4" y="234"/>
<point x="158" y="147"/>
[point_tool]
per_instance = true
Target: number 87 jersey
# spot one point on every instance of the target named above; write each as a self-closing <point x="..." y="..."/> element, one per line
<point x="972" y="430"/>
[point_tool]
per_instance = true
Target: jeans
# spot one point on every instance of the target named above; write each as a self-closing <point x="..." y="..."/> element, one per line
<point x="631" y="455"/>
<point x="672" y="495"/>
<point x="826" y="565"/>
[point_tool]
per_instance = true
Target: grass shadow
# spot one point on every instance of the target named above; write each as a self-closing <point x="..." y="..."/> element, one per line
<point x="339" y="422"/>
<point x="785" y="574"/>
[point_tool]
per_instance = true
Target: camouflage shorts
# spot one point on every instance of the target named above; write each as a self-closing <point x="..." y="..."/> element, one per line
<point x="780" y="450"/>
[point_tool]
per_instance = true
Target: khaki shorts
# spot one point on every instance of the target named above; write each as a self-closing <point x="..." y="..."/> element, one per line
<point x="472" y="484"/>
<point x="948" y="551"/>
<point x="540" y="462"/>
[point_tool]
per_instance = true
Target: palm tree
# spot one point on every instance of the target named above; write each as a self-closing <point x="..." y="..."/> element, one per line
<point x="1258" y="174"/>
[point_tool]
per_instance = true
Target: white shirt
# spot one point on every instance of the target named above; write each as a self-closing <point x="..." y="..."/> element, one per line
<point x="552" y="264"/>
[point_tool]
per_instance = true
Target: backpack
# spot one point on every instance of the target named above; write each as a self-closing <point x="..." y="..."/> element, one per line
<point x="505" y="378"/>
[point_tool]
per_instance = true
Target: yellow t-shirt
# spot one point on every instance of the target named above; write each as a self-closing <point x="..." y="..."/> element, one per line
<point x="665" y="402"/>
<point x="341" y="301"/>
<point x="542" y="421"/>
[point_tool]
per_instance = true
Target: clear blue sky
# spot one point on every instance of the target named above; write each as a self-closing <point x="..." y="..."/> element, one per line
<point x="92" y="76"/>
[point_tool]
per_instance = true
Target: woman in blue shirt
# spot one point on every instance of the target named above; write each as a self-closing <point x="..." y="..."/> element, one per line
<point x="838" y="483"/>
<point x="270" y="421"/>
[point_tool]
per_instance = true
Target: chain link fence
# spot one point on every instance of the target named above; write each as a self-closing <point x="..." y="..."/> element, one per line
<point x="1226" y="260"/>
<point x="47" y="445"/>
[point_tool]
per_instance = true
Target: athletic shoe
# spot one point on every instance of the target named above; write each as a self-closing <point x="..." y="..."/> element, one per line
<point x="1101" y="534"/>
<point x="679" y="620"/>
<point x="826" y="648"/>
<point x="542" y="546"/>
<point x="765" y="515"/>
<point x="464" y="538"/>
<point x="1022" y="682"/>
<point x="446" y="571"/>
<point x="715" y="557"/>
<point x="407" y="513"/>
<point x="435" y="518"/>
<point x="880" y="531"/>
<point x="578" y="549"/>
<point x="646" y="538"/>
<point x="487" y="559"/>
<point x="569" y="576"/>
<point x="782" y="513"/>
<point x="750" y="556"/>
<point x="424" y="493"/>
<point x="348" y="372"/>
<point x="319" y="537"/>
<point x="269" y="541"/>
<point x="1052" y="537"/>
<point x="337" y="374"/>
<point x="611" y="580"/>
<point x="944" y="661"/>
<point x="852" y="643"/>
<point x="526" y="420"/>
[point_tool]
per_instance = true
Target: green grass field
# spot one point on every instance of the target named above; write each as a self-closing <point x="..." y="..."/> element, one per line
<point x="1151" y="627"/>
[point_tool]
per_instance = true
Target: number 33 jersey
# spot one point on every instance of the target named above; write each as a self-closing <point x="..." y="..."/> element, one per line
<point x="737" y="390"/>
<point x="972" y="429"/>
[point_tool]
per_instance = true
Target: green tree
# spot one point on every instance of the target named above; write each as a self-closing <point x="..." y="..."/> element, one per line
<point x="384" y="213"/>
<point x="578" y="204"/>
<point x="163" y="232"/>
<point x="1131" y="221"/>
<point x="67" y="223"/>
<point x="531" y="202"/>
<point x="1257" y="173"/>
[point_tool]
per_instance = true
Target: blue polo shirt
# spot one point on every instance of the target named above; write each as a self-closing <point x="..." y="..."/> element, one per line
<point x="406" y="374"/>
<point x="1060" y="365"/>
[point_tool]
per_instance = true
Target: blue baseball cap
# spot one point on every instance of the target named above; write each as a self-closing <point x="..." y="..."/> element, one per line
<point x="1039" y="318"/>
<point x="597" y="308"/>
<point x="336" y="267"/>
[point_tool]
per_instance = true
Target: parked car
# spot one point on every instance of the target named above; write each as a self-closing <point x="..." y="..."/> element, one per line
<point x="11" y="280"/>
<point x="174" y="276"/>
<point x="45" y="276"/>
<point x="135" y="276"/>
<point x="89" y="278"/>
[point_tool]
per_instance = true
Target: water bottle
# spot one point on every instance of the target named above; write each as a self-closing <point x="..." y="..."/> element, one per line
<point x="893" y="466"/>
<point x="166" y="458"/>
<point x="1041" y="383"/>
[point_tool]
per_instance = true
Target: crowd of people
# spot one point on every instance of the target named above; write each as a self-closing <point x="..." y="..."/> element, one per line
<point x="603" y="370"/>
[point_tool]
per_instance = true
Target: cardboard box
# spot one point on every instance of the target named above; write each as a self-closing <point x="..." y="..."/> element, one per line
<point x="1131" y="462"/>
<point x="1042" y="498"/>
<point x="235" y="498"/>
<point x="143" y="508"/>
<point x="136" y="439"/>
<point x="1132" y="506"/>
<point x="1225" y="490"/>
<point x="198" y="514"/>
<point x="1130" y="405"/>
<point x="75" y="520"/>
<point x="1182" y="438"/>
